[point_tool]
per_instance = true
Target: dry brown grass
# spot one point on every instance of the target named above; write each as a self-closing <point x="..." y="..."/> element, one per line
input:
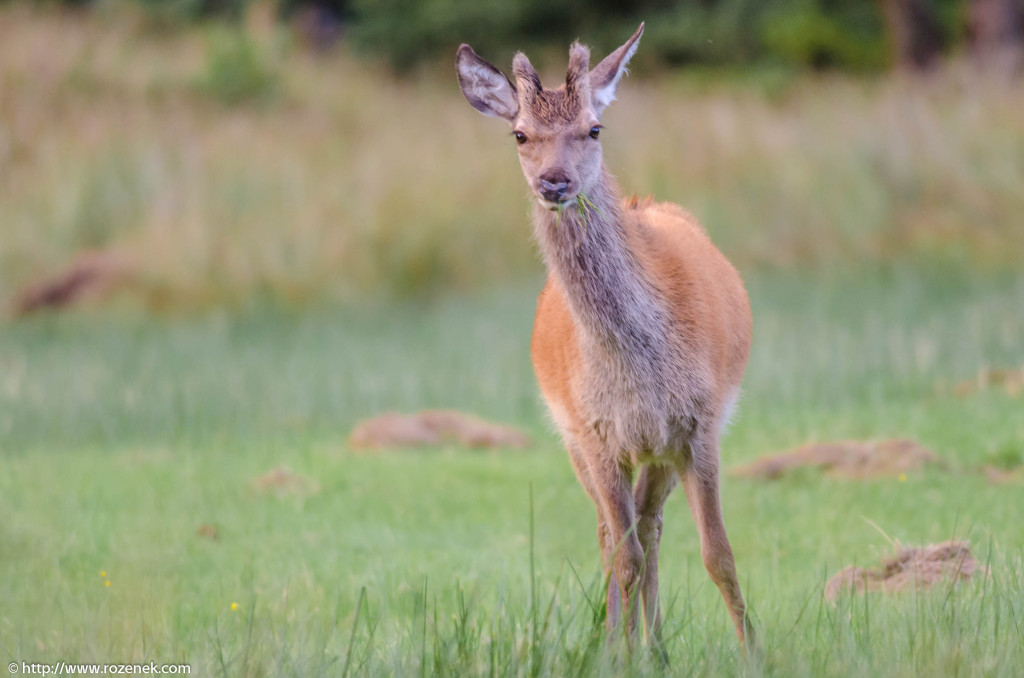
<point x="348" y="183"/>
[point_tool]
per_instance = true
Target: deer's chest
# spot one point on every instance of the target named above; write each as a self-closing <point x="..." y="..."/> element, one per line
<point x="643" y="409"/>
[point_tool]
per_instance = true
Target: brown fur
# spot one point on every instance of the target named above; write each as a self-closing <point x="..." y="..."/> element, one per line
<point x="641" y="335"/>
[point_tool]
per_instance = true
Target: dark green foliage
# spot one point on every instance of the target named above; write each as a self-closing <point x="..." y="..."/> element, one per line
<point x="825" y="33"/>
<point x="193" y="9"/>
<point x="721" y="32"/>
<point x="844" y="34"/>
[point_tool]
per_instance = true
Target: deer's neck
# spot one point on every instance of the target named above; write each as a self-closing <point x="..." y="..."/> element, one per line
<point x="587" y="249"/>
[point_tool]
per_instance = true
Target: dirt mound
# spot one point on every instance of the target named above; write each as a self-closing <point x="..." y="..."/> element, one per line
<point x="1010" y="380"/>
<point x="433" y="428"/>
<point x="90" y="276"/>
<point x="846" y="459"/>
<point x="919" y="568"/>
<point x="208" y="531"/>
<point x="281" y="481"/>
<point x="1003" y="476"/>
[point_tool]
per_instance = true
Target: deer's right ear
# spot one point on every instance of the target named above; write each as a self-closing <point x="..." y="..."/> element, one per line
<point x="484" y="86"/>
<point x="604" y="79"/>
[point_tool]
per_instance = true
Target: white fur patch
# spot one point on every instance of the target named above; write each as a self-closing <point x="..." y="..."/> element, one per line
<point x="605" y="95"/>
<point x="728" y="410"/>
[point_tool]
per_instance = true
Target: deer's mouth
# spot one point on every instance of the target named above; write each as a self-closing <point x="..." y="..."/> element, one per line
<point x="555" y="206"/>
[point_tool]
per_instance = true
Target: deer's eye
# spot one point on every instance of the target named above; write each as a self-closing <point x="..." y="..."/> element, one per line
<point x="595" y="131"/>
<point x="520" y="138"/>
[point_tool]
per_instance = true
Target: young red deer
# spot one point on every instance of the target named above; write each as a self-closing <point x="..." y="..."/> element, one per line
<point x="642" y="331"/>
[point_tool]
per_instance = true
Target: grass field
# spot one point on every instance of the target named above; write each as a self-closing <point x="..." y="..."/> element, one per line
<point x="313" y="242"/>
<point x="122" y="436"/>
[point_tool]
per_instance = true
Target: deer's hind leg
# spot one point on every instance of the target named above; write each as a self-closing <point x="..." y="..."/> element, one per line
<point x="700" y="480"/>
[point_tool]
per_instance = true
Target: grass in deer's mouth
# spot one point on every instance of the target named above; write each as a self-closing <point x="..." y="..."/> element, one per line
<point x="587" y="209"/>
<point x="586" y="206"/>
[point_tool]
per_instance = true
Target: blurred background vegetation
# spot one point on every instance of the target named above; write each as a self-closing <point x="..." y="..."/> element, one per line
<point x="179" y="154"/>
<point x="279" y="218"/>
<point x="848" y="34"/>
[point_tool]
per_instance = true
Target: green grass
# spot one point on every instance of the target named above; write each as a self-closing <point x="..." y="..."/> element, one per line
<point x="120" y="436"/>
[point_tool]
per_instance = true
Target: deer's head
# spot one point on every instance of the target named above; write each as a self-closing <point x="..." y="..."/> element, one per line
<point x="556" y="130"/>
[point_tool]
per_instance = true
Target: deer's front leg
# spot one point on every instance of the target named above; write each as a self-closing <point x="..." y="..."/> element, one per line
<point x="613" y="599"/>
<point x="604" y="536"/>
<point x="652" y="489"/>
<point x="613" y="486"/>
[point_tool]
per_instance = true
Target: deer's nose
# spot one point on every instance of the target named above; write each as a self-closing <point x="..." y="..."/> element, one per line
<point x="553" y="187"/>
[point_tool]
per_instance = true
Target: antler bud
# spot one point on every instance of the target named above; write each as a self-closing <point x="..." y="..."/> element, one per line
<point x="527" y="80"/>
<point x="577" y="78"/>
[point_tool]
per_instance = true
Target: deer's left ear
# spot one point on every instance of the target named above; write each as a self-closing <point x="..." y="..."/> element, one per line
<point x="606" y="75"/>
<point x="484" y="86"/>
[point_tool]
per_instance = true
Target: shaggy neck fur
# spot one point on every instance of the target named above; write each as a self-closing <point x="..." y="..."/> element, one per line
<point x="587" y="250"/>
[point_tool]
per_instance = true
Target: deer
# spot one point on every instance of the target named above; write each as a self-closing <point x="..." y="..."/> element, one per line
<point x="641" y="335"/>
